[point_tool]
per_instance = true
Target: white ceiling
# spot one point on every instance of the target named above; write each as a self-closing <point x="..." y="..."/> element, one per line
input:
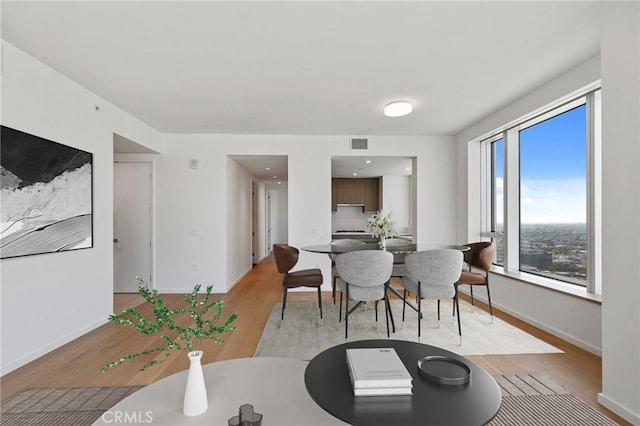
<point x="370" y="166"/>
<point x="269" y="169"/>
<point x="306" y="67"/>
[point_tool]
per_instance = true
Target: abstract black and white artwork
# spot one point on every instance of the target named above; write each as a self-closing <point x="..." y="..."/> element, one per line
<point x="46" y="196"/>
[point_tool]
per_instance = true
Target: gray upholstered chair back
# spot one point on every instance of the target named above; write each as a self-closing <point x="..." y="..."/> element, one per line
<point x="395" y="242"/>
<point x="365" y="268"/>
<point x="346" y="242"/>
<point x="434" y="267"/>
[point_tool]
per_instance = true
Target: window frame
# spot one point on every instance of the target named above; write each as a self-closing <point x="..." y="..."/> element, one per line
<point x="589" y="96"/>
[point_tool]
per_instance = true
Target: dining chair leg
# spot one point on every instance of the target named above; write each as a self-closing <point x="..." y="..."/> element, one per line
<point x="376" y="307"/>
<point x="320" y="302"/>
<point x="404" y="303"/>
<point x="458" y="309"/>
<point x="340" y="311"/>
<point x="386" y="311"/>
<point x="387" y="305"/>
<point x="346" y="315"/>
<point x="453" y="305"/>
<point x="284" y="302"/>
<point x="471" y="288"/>
<point x="489" y="297"/>
<point x="419" y="310"/>
<point x="333" y="289"/>
<point x="438" y="310"/>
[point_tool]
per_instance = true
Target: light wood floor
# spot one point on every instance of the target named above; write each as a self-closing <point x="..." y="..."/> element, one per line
<point x="78" y="363"/>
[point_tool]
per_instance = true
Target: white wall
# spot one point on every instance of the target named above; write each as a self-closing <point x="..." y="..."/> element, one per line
<point x="239" y="226"/>
<point x="263" y="250"/>
<point x="544" y="308"/>
<point x="613" y="329"/>
<point x="279" y="214"/>
<point x="621" y="212"/>
<point x="309" y="197"/>
<point x="396" y="199"/>
<point x="41" y="307"/>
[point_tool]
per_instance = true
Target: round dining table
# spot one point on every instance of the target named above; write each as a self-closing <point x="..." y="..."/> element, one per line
<point x="398" y="250"/>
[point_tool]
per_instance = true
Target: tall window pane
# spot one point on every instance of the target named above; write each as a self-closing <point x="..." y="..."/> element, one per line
<point x="553" y="191"/>
<point x="497" y="196"/>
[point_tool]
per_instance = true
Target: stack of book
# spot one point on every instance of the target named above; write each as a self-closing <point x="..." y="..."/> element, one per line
<point x="378" y="372"/>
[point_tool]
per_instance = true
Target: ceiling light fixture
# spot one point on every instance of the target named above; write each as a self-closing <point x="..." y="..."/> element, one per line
<point x="398" y="109"/>
<point x="368" y="161"/>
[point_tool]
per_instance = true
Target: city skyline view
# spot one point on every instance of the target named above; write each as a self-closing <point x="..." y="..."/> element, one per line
<point x="553" y="196"/>
<point x="552" y="170"/>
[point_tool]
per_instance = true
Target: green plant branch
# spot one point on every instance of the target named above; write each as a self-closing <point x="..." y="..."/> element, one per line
<point x="200" y="328"/>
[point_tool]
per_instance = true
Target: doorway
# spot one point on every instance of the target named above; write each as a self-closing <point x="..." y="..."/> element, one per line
<point x="132" y="209"/>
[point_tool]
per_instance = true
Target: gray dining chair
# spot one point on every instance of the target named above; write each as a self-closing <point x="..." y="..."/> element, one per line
<point x="432" y="274"/>
<point x="345" y="242"/>
<point x="363" y="277"/>
<point x="399" y="270"/>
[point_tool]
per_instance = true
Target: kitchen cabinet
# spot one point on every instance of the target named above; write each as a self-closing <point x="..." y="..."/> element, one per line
<point x="371" y="195"/>
<point x="356" y="191"/>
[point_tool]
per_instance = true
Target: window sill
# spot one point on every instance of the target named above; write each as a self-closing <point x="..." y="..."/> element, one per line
<point x="553" y="285"/>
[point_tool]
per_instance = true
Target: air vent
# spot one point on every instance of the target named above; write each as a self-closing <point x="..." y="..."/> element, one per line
<point x="359" y="143"/>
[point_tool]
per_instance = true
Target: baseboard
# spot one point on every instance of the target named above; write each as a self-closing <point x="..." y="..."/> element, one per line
<point x="558" y="333"/>
<point x="7" y="368"/>
<point x="633" y="418"/>
<point x="230" y="286"/>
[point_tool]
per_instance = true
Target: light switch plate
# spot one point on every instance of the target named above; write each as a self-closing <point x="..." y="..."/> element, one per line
<point x="194" y="163"/>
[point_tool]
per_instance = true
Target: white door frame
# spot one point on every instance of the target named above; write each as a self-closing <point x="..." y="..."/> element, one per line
<point x="141" y="158"/>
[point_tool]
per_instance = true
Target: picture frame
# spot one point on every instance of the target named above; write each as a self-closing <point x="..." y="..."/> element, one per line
<point x="46" y="196"/>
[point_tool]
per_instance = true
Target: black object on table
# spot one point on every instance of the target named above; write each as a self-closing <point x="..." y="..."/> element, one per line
<point x="474" y="403"/>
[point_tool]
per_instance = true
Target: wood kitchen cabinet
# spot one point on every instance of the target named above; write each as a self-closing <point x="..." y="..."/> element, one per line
<point x="365" y="192"/>
<point x="371" y="195"/>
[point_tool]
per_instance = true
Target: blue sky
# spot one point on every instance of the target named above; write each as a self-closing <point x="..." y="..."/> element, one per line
<point x="552" y="170"/>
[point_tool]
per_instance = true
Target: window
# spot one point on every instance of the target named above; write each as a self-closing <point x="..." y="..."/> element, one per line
<point x="497" y="197"/>
<point x="540" y="207"/>
<point x="553" y="197"/>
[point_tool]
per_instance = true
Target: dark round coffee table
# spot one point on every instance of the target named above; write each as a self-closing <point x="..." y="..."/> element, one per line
<point x="475" y="403"/>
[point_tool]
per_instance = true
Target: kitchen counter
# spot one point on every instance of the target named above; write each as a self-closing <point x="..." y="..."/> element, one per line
<point x="364" y="236"/>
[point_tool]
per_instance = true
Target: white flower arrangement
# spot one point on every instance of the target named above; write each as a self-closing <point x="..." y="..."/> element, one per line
<point x="381" y="225"/>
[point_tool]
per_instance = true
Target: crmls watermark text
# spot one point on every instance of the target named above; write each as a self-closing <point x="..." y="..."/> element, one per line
<point x="116" y="417"/>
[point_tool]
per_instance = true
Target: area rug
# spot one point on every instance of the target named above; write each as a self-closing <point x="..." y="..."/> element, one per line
<point x="302" y="334"/>
<point x="538" y="400"/>
<point x="526" y="400"/>
<point x="61" y="406"/>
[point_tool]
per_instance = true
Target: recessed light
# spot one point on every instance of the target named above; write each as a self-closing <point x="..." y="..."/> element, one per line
<point x="275" y="177"/>
<point x="355" y="174"/>
<point x="408" y="169"/>
<point x="368" y="161"/>
<point x="397" y="109"/>
<point x="268" y="168"/>
<point x="279" y="182"/>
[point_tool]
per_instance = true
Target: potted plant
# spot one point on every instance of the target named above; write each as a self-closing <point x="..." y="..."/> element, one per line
<point x="381" y="225"/>
<point x="204" y="315"/>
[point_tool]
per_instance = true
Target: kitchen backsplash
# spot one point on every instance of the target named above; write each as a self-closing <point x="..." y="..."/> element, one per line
<point x="352" y="218"/>
<point x="349" y="218"/>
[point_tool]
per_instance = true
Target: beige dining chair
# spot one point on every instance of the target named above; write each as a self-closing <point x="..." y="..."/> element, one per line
<point x="363" y="277"/>
<point x="344" y="242"/>
<point x="432" y="274"/>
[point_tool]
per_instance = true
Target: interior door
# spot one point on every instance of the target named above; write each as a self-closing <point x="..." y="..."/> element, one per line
<point x="131" y="225"/>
